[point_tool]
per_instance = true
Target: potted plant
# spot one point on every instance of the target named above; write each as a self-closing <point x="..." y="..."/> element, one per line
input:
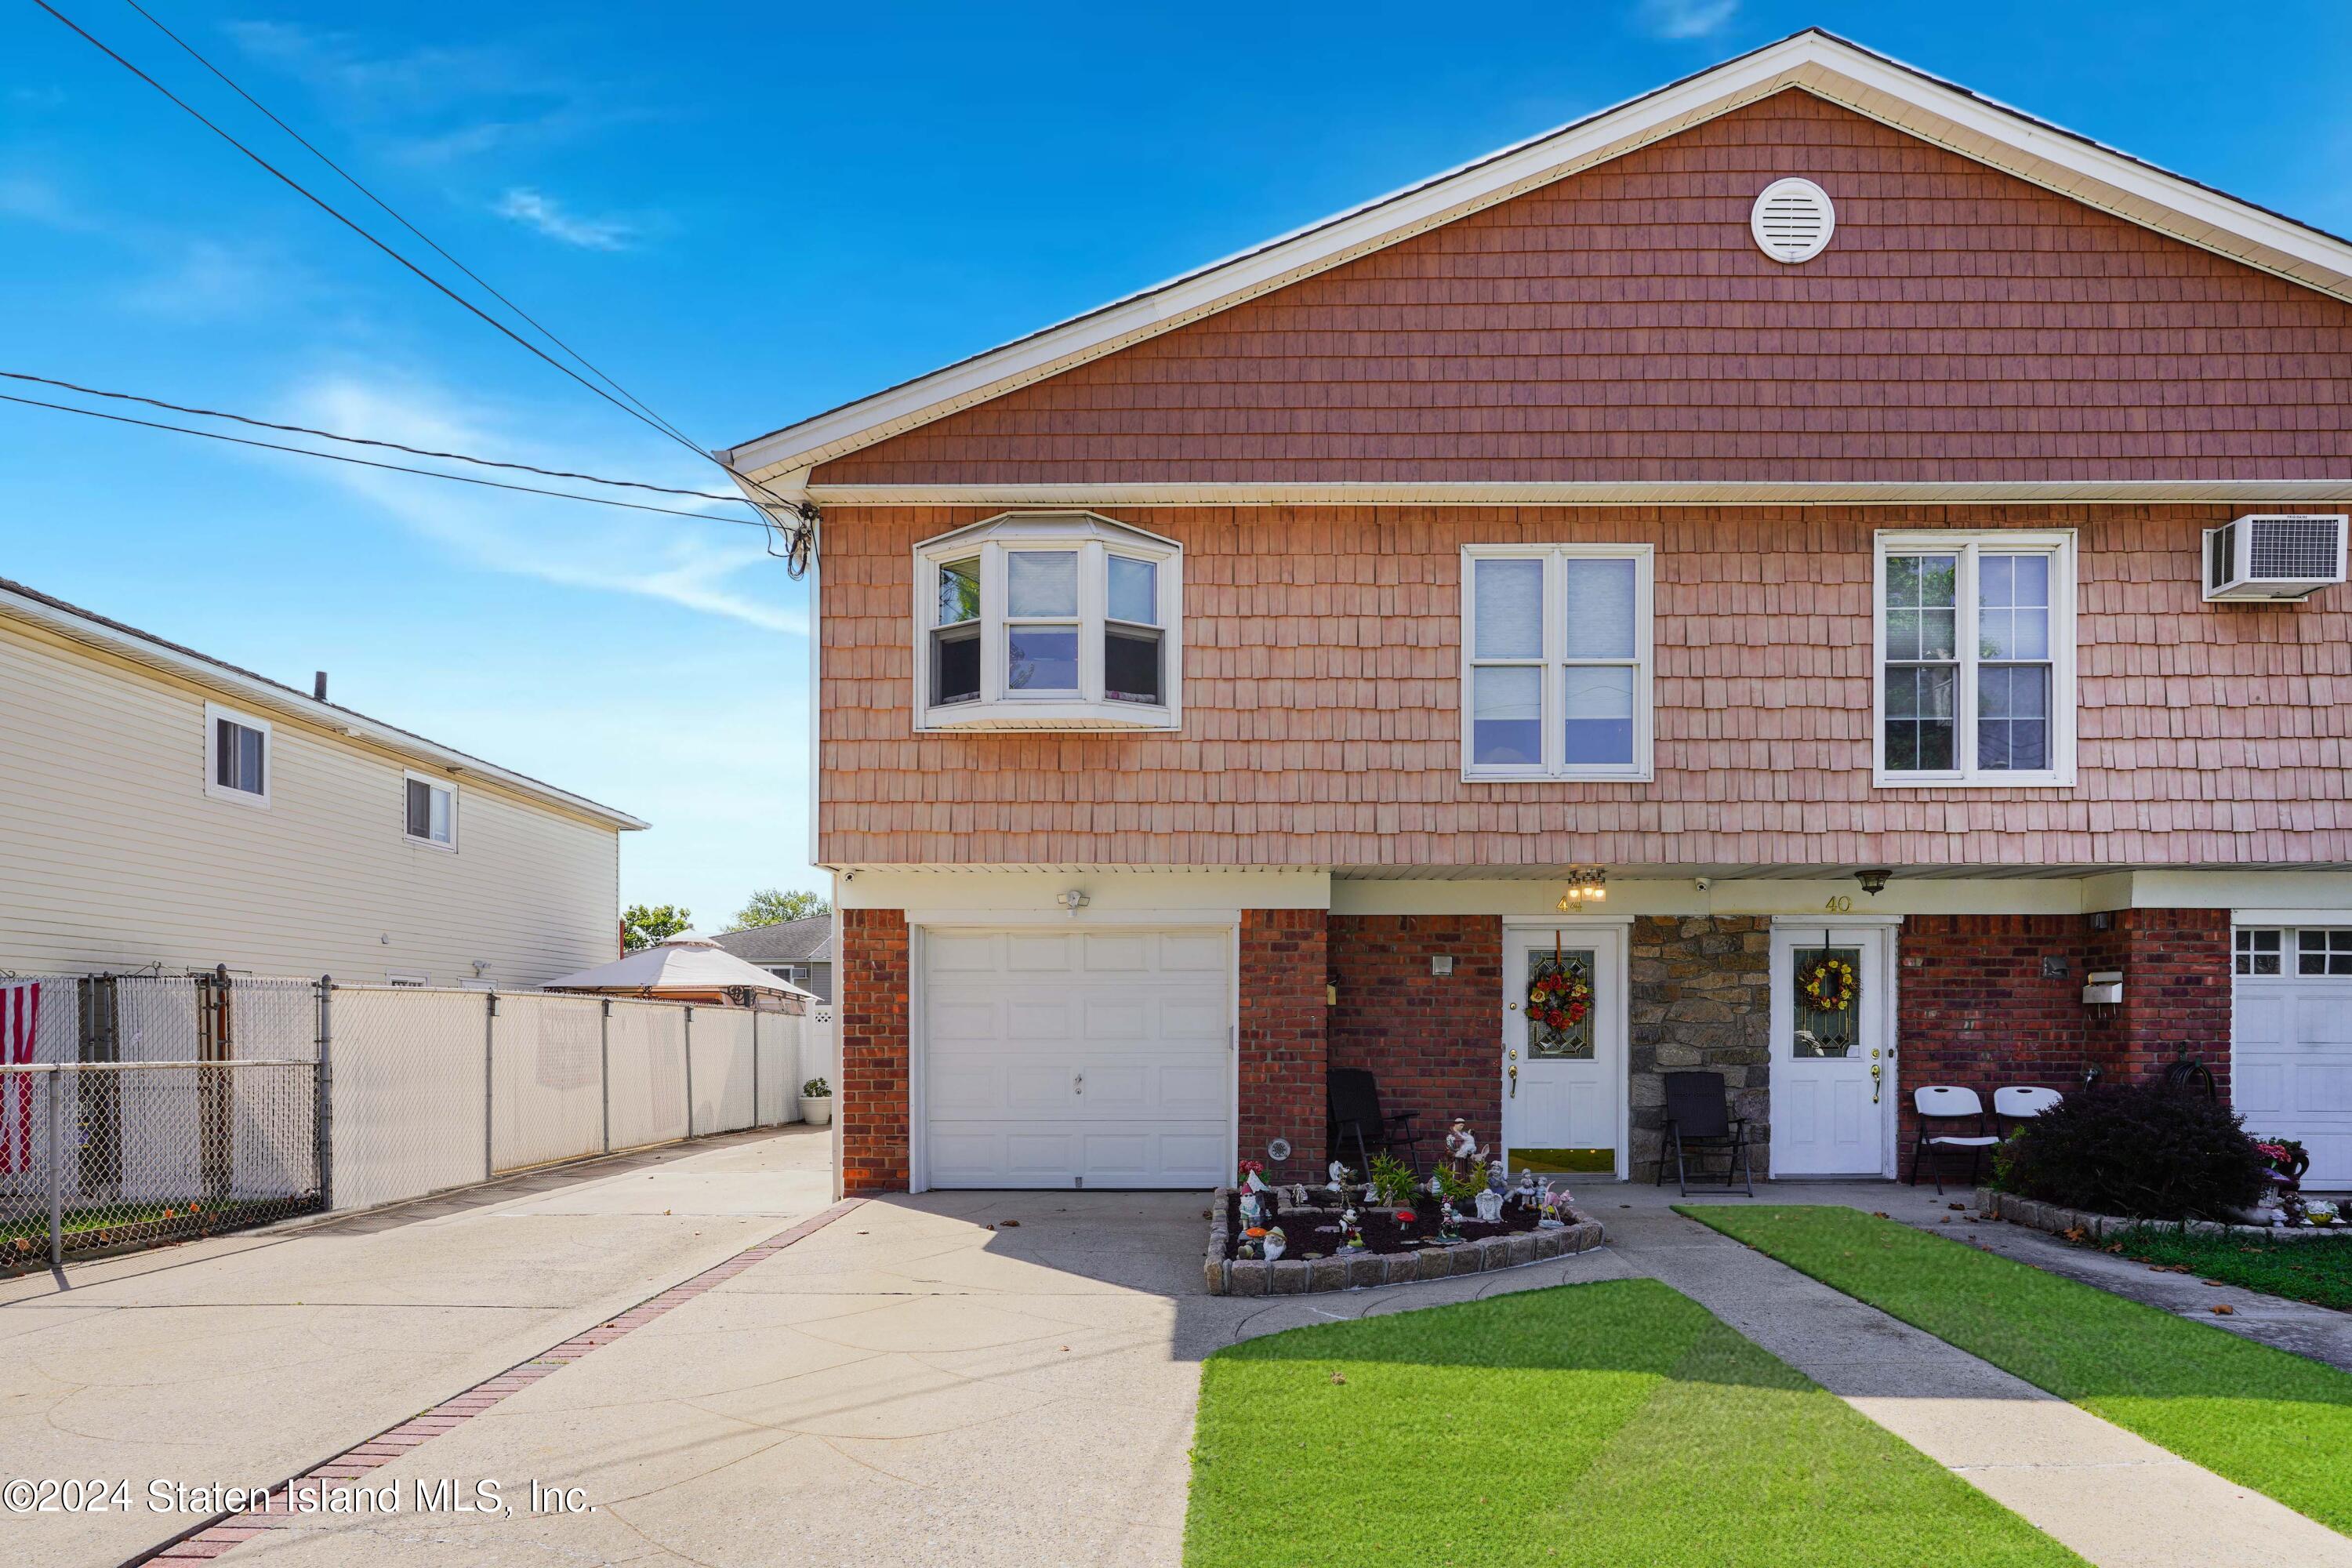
<point x="816" y="1102"/>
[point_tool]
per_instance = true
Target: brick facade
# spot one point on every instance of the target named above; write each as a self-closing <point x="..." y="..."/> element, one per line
<point x="1975" y="1007"/>
<point x="1432" y="1041"/>
<point x="1701" y="1000"/>
<point x="1283" y="966"/>
<point x="870" y="1100"/>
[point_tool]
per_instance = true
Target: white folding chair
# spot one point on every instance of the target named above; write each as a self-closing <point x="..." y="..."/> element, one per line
<point x="1947" y="1103"/>
<point x="2021" y="1102"/>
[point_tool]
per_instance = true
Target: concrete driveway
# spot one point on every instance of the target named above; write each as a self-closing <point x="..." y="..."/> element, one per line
<point x="243" y="1359"/>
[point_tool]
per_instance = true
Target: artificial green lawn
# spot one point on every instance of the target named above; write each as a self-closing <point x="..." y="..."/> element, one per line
<point x="1612" y="1423"/>
<point x="2315" y="1270"/>
<point x="2278" y="1423"/>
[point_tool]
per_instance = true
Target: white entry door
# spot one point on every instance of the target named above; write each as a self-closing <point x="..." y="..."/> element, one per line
<point x="1833" y="1078"/>
<point x="2291" y="1043"/>
<point x="1061" y="1057"/>
<point x="1564" y="1050"/>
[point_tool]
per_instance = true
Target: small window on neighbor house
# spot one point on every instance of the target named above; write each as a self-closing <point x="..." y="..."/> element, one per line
<point x="1558" y="649"/>
<point x="2258" y="952"/>
<point x="432" y="816"/>
<point x="2323" y="952"/>
<point x="237" y="756"/>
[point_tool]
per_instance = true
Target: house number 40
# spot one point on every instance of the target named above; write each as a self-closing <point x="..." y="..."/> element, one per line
<point x="1839" y="905"/>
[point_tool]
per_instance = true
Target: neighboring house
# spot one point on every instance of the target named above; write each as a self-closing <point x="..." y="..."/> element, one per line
<point x="799" y="951"/>
<point x="166" y="809"/>
<point x="1805" y="471"/>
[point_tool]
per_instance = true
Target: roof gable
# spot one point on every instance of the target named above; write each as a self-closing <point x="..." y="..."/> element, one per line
<point x="1828" y="68"/>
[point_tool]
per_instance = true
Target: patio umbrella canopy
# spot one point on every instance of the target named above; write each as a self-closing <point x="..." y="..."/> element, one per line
<point x="688" y="965"/>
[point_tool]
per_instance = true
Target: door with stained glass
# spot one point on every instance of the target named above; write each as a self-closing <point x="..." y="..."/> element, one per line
<point x="1563" y="1048"/>
<point x="1834" y="1081"/>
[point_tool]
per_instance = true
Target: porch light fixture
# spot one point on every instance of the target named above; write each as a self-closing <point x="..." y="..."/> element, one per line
<point x="1586" y="885"/>
<point x="1872" y="882"/>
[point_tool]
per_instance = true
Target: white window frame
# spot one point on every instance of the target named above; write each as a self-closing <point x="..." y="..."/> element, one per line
<point x="1095" y="539"/>
<point x="411" y="776"/>
<point x="2058" y="544"/>
<point x="1554" y="768"/>
<point x="213" y="714"/>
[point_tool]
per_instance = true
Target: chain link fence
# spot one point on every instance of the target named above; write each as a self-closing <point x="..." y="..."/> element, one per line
<point x="143" y="1109"/>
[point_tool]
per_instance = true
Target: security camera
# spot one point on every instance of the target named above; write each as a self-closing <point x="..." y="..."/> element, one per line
<point x="1702" y="883"/>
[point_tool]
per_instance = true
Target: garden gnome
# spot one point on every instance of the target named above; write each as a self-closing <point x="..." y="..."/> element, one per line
<point x="1275" y="1242"/>
<point x="1253" y="1209"/>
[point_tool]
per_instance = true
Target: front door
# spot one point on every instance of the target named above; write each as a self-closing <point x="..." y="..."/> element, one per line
<point x="1834" y="1080"/>
<point x="1563" y="1048"/>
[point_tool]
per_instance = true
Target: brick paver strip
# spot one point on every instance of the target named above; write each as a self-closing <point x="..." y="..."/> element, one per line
<point x="337" y="1471"/>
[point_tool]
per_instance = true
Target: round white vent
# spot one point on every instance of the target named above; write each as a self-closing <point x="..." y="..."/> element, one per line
<point x="1793" y="220"/>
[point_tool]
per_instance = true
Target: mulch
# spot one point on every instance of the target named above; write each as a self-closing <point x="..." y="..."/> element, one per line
<point x="1304" y="1237"/>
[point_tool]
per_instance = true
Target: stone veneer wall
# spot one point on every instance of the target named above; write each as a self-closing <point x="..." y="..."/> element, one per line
<point x="1701" y="999"/>
<point x="1433" y="1041"/>
<point x="1283" y="964"/>
<point x="870" y="1100"/>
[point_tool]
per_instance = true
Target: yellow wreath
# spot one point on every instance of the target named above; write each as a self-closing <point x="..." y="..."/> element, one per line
<point x="1828" y="985"/>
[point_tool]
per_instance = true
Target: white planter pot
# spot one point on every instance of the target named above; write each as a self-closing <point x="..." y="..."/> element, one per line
<point x="816" y="1111"/>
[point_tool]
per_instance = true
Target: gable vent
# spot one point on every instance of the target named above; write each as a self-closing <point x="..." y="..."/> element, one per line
<point x="1792" y="220"/>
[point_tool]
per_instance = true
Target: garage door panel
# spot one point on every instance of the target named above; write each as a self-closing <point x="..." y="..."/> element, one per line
<point x="1019" y="1018"/>
<point x="2255" y="1089"/>
<point x="2322" y="1020"/>
<point x="2323" y="1087"/>
<point x="2291" y="1052"/>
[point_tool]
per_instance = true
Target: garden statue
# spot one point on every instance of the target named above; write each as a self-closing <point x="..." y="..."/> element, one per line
<point x="1490" y="1205"/>
<point x="1338" y="1176"/>
<point x="1554" y="1200"/>
<point x="1498" y="1181"/>
<point x="1275" y="1242"/>
<point x="1253" y="1209"/>
<point x="1436" y="1185"/>
<point x="1527" y="1194"/>
<point x="1460" y="1144"/>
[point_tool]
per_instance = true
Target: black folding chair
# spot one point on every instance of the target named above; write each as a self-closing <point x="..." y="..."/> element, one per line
<point x="1699" y="1122"/>
<point x="1354" y="1099"/>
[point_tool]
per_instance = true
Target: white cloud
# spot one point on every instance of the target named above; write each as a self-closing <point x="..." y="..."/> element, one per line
<point x="206" y="281"/>
<point x="716" y="567"/>
<point x="1684" y="18"/>
<point x="527" y="207"/>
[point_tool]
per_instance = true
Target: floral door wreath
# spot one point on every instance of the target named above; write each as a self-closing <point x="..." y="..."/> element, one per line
<point x="1828" y="984"/>
<point x="1560" y="997"/>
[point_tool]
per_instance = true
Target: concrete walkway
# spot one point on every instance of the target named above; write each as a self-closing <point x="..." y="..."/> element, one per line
<point x="240" y="1359"/>
<point x="2114" y="1497"/>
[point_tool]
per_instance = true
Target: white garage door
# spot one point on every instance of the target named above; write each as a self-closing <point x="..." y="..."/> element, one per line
<point x="1069" y="1058"/>
<point x="2291" y="1035"/>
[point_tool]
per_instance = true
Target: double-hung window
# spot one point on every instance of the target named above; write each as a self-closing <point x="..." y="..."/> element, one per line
<point x="1556" y="661"/>
<point x="430" y="811"/>
<point x="238" y="761"/>
<point x="1975" y="643"/>
<point x="1048" y="620"/>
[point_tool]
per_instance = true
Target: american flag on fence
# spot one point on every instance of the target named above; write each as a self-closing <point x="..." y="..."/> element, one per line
<point x="20" y="1014"/>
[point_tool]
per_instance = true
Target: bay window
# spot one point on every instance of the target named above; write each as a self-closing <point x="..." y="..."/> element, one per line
<point x="1556" y="661"/>
<point x="1048" y="620"/>
<point x="1975" y="645"/>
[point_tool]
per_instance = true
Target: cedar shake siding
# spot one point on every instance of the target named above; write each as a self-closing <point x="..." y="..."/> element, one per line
<point x="1620" y="324"/>
<point x="1322" y="726"/>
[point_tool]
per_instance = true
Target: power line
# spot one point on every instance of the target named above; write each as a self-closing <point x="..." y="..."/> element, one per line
<point x="360" y="440"/>
<point x="354" y="180"/>
<point x="391" y="468"/>
<point x="434" y="283"/>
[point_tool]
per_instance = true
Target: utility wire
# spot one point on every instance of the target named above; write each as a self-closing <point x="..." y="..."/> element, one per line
<point x="354" y="180"/>
<point x="361" y="441"/>
<point x="762" y="524"/>
<point x="434" y="283"/>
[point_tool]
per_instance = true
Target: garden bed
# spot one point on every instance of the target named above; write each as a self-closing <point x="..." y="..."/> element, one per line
<point x="1393" y="1253"/>
<point x="2060" y="1220"/>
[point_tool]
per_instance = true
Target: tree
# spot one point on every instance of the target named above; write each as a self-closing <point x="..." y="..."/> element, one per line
<point x="771" y="906"/>
<point x="642" y="925"/>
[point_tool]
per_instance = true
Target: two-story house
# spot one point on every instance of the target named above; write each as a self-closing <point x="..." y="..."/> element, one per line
<point x="1784" y="576"/>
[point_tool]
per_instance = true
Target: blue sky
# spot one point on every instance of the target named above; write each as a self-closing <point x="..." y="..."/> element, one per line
<point x="747" y="214"/>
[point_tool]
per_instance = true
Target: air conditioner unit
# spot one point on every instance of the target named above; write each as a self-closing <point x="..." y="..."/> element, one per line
<point x="2285" y="556"/>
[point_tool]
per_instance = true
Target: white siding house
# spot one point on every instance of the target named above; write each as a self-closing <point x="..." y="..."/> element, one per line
<point x="129" y="839"/>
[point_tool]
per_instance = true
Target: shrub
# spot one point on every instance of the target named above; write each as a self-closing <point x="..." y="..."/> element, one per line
<point x="817" y="1089"/>
<point x="2142" y="1152"/>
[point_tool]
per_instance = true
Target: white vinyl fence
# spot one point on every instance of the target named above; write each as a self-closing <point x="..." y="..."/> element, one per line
<point x="145" y="1108"/>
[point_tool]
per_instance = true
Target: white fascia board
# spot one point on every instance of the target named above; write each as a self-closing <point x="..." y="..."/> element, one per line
<point x="1603" y="492"/>
<point x="1912" y="101"/>
<point x="269" y="696"/>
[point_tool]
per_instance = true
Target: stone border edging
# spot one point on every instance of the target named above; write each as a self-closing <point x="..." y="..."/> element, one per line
<point x="1301" y="1276"/>
<point x="2058" y="1219"/>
